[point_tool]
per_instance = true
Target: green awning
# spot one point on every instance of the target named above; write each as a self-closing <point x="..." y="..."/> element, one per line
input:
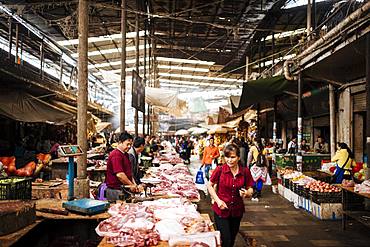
<point x="262" y="90"/>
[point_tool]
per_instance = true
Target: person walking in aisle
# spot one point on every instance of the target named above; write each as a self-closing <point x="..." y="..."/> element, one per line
<point x="210" y="154"/>
<point x="258" y="167"/>
<point x="233" y="184"/>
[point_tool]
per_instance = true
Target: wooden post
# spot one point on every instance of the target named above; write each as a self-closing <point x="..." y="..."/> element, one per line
<point x="299" y="123"/>
<point x="122" y="121"/>
<point x="332" y="120"/>
<point x="309" y="13"/>
<point x="144" y="77"/>
<point x="16" y="42"/>
<point x="150" y="77"/>
<point x="368" y="102"/>
<point x="137" y="68"/>
<point x="10" y="37"/>
<point x="82" y="186"/>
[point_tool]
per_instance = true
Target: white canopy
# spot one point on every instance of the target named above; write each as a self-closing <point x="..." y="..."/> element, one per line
<point x="165" y="100"/>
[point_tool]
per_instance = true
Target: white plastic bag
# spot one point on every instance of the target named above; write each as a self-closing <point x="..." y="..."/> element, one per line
<point x="214" y="165"/>
<point x="268" y="180"/>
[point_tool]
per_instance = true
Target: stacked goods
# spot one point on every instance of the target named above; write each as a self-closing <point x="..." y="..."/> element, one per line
<point x="16" y="215"/>
<point x="14" y="188"/>
<point x="322" y="192"/>
<point x="175" y="180"/>
<point x="319" y="186"/>
<point x="145" y="224"/>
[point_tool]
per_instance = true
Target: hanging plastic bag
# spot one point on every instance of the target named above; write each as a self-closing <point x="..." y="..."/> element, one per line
<point x="199" y="179"/>
<point x="268" y="180"/>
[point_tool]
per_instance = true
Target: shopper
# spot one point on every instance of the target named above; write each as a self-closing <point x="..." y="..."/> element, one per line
<point x="233" y="184"/>
<point x="119" y="172"/>
<point x="210" y="154"/>
<point x="344" y="159"/>
<point x="258" y="167"/>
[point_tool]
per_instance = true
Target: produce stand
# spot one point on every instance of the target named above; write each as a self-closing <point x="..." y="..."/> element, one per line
<point x="12" y="238"/>
<point x="354" y="206"/>
<point x="104" y="243"/>
<point x="312" y="194"/>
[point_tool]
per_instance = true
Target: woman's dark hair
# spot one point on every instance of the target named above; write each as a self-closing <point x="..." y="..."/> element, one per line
<point x="229" y="148"/>
<point x="343" y="145"/>
<point x="259" y="144"/>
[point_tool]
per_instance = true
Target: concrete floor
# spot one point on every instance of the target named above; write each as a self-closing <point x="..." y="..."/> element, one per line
<point x="274" y="222"/>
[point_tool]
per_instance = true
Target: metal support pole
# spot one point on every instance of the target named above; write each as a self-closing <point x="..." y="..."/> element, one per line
<point x="10" y="37"/>
<point x="16" y="43"/>
<point x="368" y="102"/>
<point x="137" y="68"/>
<point x="274" y="127"/>
<point x="332" y="119"/>
<point x="246" y="68"/>
<point x="273" y="52"/>
<point x="83" y="26"/>
<point x="314" y="21"/>
<point x="258" y="121"/>
<point x="309" y="13"/>
<point x="42" y="58"/>
<point x="264" y="52"/>
<point x="122" y="121"/>
<point x="299" y="123"/>
<point x="259" y="55"/>
<point x="61" y="69"/>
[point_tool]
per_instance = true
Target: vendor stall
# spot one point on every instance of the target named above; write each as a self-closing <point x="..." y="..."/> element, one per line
<point x="310" y="161"/>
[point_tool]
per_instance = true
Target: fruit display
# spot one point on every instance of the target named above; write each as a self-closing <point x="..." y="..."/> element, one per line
<point x="293" y="175"/>
<point x="286" y="170"/>
<point x="359" y="171"/>
<point x="320" y="186"/>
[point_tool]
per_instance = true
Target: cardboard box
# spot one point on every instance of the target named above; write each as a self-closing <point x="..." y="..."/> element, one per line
<point x="327" y="211"/>
<point x="281" y="189"/>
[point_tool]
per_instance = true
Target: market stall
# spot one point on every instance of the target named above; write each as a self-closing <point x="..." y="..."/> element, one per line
<point x="354" y="197"/>
<point x="163" y="222"/>
<point x="310" y="161"/>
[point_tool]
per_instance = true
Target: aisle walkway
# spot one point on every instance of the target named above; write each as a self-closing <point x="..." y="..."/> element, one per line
<point x="274" y="222"/>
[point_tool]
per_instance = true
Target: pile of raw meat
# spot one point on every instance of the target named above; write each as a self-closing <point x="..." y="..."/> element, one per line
<point x="147" y="223"/>
<point x="176" y="180"/>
